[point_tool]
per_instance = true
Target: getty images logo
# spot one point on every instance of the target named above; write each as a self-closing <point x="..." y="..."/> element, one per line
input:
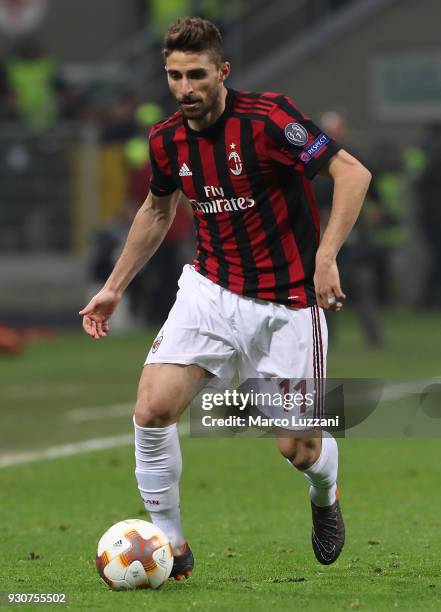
<point x="218" y="203"/>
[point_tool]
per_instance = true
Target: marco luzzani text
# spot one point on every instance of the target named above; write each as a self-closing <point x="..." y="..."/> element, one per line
<point x="286" y="402"/>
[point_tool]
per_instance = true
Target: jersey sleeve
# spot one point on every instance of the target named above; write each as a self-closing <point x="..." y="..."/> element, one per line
<point x="161" y="182"/>
<point x="292" y="139"/>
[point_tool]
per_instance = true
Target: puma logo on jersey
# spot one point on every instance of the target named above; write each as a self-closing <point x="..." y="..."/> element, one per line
<point x="184" y="170"/>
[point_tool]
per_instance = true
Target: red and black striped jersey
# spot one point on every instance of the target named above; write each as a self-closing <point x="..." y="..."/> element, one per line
<point x="247" y="178"/>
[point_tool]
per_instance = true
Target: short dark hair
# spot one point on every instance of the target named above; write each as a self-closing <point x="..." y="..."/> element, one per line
<point x="194" y="35"/>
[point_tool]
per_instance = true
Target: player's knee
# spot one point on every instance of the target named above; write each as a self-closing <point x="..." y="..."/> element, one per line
<point x="152" y="412"/>
<point x="287" y="447"/>
<point x="302" y="453"/>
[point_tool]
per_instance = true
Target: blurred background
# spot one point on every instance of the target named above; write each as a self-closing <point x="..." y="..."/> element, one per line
<point x="80" y="84"/>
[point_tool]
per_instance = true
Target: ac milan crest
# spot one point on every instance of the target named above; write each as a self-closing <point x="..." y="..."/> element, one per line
<point x="156" y="344"/>
<point x="234" y="161"/>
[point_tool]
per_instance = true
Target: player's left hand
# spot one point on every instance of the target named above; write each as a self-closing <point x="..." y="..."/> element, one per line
<point x="327" y="284"/>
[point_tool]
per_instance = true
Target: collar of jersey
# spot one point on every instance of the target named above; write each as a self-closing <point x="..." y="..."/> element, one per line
<point x="213" y="130"/>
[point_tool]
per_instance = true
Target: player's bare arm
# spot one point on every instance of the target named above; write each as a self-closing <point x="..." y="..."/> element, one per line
<point x="351" y="181"/>
<point x="147" y="232"/>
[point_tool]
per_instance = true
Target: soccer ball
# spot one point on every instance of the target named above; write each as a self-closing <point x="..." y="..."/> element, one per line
<point x="134" y="554"/>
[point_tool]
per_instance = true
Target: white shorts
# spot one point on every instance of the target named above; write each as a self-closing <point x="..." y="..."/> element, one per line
<point x="224" y="333"/>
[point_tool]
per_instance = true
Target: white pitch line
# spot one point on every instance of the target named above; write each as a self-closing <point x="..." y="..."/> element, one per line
<point x="399" y="390"/>
<point x="41" y="390"/>
<point x="96" y="413"/>
<point x="66" y="450"/>
<point x="393" y="391"/>
<point x="75" y="448"/>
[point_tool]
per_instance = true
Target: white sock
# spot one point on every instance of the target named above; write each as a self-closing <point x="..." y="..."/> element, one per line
<point x="158" y="469"/>
<point x="323" y="473"/>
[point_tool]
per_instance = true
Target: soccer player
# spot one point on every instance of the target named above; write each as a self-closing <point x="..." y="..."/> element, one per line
<point x="253" y="298"/>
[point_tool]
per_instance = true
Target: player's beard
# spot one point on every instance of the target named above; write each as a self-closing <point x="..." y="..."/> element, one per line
<point x="203" y="107"/>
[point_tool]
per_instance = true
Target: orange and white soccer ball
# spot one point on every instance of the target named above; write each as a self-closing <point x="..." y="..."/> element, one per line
<point x="134" y="554"/>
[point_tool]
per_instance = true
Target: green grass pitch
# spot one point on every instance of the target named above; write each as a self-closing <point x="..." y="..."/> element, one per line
<point x="246" y="513"/>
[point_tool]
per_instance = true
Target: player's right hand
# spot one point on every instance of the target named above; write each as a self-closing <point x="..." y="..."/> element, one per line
<point x="97" y="313"/>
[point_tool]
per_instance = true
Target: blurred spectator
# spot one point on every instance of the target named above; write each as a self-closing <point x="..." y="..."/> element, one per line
<point x="8" y="107"/>
<point x="118" y="125"/>
<point x="119" y="122"/>
<point x="427" y="191"/>
<point x="159" y="281"/>
<point x="31" y="85"/>
<point x="107" y="243"/>
<point x="161" y="14"/>
<point x="136" y="150"/>
<point x="391" y="233"/>
<point x="356" y="257"/>
<point x="155" y="289"/>
<point x="126" y="171"/>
